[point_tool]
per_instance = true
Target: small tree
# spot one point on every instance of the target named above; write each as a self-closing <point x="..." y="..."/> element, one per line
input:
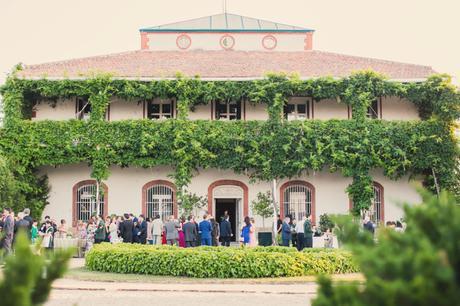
<point x="325" y="223"/>
<point x="263" y="206"/>
<point x="191" y="201"/>
<point x="418" y="267"/>
<point x="27" y="276"/>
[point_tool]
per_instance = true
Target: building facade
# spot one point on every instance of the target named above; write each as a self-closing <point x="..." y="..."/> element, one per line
<point x="220" y="47"/>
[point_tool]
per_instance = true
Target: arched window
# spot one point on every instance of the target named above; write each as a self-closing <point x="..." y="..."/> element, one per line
<point x="159" y="198"/>
<point x="84" y="203"/>
<point x="297" y="198"/>
<point x="376" y="211"/>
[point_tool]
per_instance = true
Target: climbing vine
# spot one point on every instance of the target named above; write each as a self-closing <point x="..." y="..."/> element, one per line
<point x="264" y="150"/>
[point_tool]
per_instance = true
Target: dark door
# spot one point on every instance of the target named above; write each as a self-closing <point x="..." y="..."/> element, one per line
<point x="229" y="205"/>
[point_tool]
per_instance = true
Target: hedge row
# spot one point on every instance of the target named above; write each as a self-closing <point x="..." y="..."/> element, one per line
<point x="217" y="262"/>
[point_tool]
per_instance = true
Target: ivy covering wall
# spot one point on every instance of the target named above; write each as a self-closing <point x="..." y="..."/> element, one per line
<point x="266" y="150"/>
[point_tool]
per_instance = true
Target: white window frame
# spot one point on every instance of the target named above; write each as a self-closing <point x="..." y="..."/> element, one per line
<point x="161" y="114"/>
<point x="296" y="101"/>
<point x="226" y="116"/>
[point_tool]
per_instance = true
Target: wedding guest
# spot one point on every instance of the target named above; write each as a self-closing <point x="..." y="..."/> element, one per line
<point x="157" y="229"/>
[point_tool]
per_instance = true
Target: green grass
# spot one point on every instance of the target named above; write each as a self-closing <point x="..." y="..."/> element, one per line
<point x="84" y="274"/>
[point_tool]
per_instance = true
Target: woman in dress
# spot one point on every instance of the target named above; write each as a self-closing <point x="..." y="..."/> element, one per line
<point x="181" y="233"/>
<point x="245" y="232"/>
<point x="113" y="231"/>
<point x="252" y="234"/>
<point x="62" y="230"/>
<point x="47" y="234"/>
<point x="90" y="231"/>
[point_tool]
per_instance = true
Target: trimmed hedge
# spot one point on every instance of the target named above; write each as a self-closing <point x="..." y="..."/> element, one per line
<point x="217" y="262"/>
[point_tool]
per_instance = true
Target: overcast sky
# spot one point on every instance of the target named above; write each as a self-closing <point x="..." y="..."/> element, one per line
<point x="414" y="31"/>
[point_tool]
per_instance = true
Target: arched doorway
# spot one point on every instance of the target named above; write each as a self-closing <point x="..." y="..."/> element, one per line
<point x="231" y="196"/>
<point x="159" y="198"/>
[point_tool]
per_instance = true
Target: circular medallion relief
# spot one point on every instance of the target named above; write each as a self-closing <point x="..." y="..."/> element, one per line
<point x="227" y="42"/>
<point x="269" y="42"/>
<point x="183" y="41"/>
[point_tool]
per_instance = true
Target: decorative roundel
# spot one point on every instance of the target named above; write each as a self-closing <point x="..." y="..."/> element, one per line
<point x="227" y="42"/>
<point x="269" y="42"/>
<point x="183" y="41"/>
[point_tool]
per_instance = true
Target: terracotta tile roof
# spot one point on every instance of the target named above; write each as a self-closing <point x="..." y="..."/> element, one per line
<point x="223" y="64"/>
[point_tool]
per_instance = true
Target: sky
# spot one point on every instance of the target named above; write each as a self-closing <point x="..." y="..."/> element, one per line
<point x="413" y="31"/>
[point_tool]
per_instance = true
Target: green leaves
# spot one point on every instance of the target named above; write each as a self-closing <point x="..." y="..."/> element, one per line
<point x="217" y="262"/>
<point x="420" y="266"/>
<point x="265" y="150"/>
<point x="27" y="277"/>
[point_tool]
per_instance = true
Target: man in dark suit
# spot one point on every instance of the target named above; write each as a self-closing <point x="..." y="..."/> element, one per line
<point x="142" y="229"/>
<point x="286" y="234"/>
<point x="126" y="229"/>
<point x="190" y="232"/>
<point x="226" y="231"/>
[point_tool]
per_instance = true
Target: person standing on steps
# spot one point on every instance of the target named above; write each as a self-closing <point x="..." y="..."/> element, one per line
<point x="226" y="231"/>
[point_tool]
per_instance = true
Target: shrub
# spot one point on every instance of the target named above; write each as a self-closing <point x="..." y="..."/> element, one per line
<point x="27" y="276"/>
<point x="216" y="262"/>
<point x="418" y="267"/>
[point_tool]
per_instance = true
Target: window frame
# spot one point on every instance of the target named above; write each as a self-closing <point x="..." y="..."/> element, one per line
<point x="228" y="113"/>
<point x="377" y="112"/>
<point x="296" y="101"/>
<point x="160" y="114"/>
<point x="76" y="188"/>
<point x="82" y="103"/>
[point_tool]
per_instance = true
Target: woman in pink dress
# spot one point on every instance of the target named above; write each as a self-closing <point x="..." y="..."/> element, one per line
<point x="252" y="234"/>
<point x="181" y="233"/>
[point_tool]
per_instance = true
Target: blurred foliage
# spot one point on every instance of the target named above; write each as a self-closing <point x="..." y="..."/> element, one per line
<point x="28" y="276"/>
<point x="420" y="266"/>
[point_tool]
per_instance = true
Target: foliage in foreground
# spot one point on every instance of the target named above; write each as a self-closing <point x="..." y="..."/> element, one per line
<point x="220" y="262"/>
<point x="27" y="276"/>
<point x="419" y="267"/>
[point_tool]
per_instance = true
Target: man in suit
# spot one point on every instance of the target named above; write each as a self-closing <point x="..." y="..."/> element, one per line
<point x="157" y="228"/>
<point x="226" y="231"/>
<point x="172" y="235"/>
<point x="21" y="225"/>
<point x="142" y="229"/>
<point x="205" y="231"/>
<point x="126" y="229"/>
<point x="286" y="232"/>
<point x="190" y="232"/>
<point x="28" y="218"/>
<point x="308" y="233"/>
<point x="8" y="230"/>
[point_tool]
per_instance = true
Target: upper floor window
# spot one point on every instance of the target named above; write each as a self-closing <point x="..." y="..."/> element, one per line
<point x="160" y="109"/>
<point x="83" y="110"/>
<point x="373" y="111"/>
<point x="228" y="110"/>
<point x="298" y="109"/>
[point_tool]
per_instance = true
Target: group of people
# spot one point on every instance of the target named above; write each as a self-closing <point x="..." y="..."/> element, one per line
<point x="182" y="232"/>
<point x="11" y="224"/>
<point x="299" y="234"/>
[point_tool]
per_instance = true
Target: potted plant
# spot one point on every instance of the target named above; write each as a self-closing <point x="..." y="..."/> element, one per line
<point x="263" y="207"/>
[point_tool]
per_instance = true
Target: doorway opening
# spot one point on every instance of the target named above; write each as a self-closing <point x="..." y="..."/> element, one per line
<point x="229" y="205"/>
